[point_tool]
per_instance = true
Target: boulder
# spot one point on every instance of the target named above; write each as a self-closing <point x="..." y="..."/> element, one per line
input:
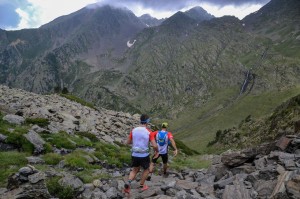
<point x="14" y="119"/>
<point x="36" y="140"/>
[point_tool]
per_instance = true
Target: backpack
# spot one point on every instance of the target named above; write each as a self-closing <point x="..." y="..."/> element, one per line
<point x="161" y="138"/>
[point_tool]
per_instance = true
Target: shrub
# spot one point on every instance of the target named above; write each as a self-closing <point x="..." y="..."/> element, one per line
<point x="60" y="140"/>
<point x="78" y="100"/>
<point x="88" y="135"/>
<point x="114" y="155"/>
<point x="77" y="159"/>
<point x="42" y="122"/>
<point x="52" y="158"/>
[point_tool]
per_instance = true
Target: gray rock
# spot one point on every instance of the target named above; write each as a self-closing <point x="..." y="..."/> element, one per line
<point x="36" y="140"/>
<point x="2" y="137"/>
<point x="264" y="188"/>
<point x="35" y="160"/>
<point x="218" y="170"/>
<point x="26" y="171"/>
<point x="38" y="129"/>
<point x="111" y="193"/>
<point x="72" y="181"/>
<point x="280" y="186"/>
<point x="97" y="194"/>
<point x="34" y="178"/>
<point x="236" y="191"/>
<point x="14" y="119"/>
<point x="293" y="187"/>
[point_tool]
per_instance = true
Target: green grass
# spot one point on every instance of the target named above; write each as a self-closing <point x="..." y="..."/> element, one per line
<point x="60" y="140"/>
<point x="181" y="162"/>
<point x="78" y="100"/>
<point x="52" y="158"/>
<point x="10" y="162"/>
<point x="200" y="126"/>
<point x="112" y="154"/>
<point x="88" y="175"/>
<point x="42" y="122"/>
<point x="57" y="190"/>
<point x="78" y="159"/>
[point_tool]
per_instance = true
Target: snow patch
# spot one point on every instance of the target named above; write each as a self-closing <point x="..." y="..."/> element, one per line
<point x="130" y="44"/>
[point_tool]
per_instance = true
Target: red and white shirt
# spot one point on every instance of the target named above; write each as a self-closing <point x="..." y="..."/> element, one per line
<point x="140" y="136"/>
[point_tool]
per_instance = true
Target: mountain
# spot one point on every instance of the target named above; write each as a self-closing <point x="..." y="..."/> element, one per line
<point x="199" y="14"/>
<point x="150" y="21"/>
<point x="67" y="49"/>
<point x="200" y="76"/>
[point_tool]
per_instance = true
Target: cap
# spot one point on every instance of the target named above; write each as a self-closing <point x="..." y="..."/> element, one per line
<point x="164" y="125"/>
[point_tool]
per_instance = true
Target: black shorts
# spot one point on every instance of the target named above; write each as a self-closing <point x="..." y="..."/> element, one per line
<point x="164" y="158"/>
<point x="140" y="161"/>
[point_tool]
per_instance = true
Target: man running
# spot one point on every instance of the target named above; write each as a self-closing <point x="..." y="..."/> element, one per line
<point x="162" y="138"/>
<point x="140" y="137"/>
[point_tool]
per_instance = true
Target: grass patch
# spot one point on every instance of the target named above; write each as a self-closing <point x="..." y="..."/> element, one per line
<point x="42" y="122"/>
<point x="88" y="135"/>
<point x="79" y="159"/>
<point x="10" y="162"/>
<point x="60" y="140"/>
<point x="52" y="158"/>
<point x="112" y="154"/>
<point x="17" y="138"/>
<point x="181" y="162"/>
<point x="88" y="176"/>
<point x="57" y="190"/>
<point x="78" y="100"/>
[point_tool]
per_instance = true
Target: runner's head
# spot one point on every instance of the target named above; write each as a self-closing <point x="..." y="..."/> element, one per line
<point x="145" y="119"/>
<point x="164" y="125"/>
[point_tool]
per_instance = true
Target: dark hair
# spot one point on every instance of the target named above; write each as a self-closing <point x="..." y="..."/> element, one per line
<point x="144" y="119"/>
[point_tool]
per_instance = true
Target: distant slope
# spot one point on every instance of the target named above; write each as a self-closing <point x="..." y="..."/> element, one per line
<point x="278" y="20"/>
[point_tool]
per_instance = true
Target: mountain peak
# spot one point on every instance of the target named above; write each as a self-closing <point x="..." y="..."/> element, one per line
<point x="150" y="21"/>
<point x="178" y="17"/>
<point x="199" y="14"/>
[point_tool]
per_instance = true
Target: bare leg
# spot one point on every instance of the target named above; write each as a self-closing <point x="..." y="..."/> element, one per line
<point x="151" y="168"/>
<point x="133" y="173"/>
<point x="144" y="176"/>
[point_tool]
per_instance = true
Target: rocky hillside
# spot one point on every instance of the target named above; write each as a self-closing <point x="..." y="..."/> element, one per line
<point x="252" y="131"/>
<point x="65" y="115"/>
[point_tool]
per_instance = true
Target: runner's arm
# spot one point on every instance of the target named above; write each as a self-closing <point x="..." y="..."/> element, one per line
<point x="129" y="139"/>
<point x="174" y="146"/>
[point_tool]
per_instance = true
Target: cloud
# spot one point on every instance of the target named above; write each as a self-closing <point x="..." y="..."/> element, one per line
<point x="19" y="14"/>
<point x="174" y="5"/>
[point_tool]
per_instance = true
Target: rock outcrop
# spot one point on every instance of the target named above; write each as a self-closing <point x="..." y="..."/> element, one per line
<point x="64" y="115"/>
<point x="263" y="175"/>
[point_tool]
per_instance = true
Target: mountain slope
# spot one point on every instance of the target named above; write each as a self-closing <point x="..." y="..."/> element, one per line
<point x="278" y="20"/>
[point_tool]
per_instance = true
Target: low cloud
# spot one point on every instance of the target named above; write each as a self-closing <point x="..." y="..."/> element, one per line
<point x="174" y="5"/>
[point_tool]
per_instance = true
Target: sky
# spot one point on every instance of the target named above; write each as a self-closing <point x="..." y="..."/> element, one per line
<point x="20" y="14"/>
